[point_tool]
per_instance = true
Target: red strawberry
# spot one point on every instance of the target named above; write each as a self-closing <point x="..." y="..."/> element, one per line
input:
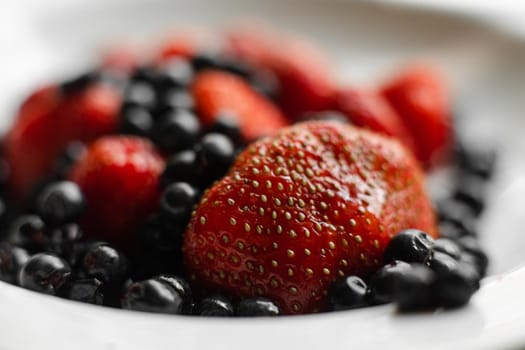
<point x="217" y="92"/>
<point x="421" y="98"/>
<point x="47" y="122"/>
<point x="317" y="201"/>
<point x="370" y="110"/>
<point x="119" y="177"/>
<point x="301" y="69"/>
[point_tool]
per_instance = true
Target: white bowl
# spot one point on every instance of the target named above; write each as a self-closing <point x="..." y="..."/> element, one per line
<point x="486" y="68"/>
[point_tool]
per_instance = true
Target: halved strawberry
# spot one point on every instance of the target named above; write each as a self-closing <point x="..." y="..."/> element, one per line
<point x="217" y="93"/>
<point x="420" y="97"/>
<point x="317" y="201"/>
<point x="119" y="177"/>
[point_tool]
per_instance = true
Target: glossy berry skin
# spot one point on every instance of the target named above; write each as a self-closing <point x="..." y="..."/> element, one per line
<point x="300" y="209"/>
<point x="227" y="124"/>
<point x="174" y="73"/>
<point x="28" y="232"/>
<point x="60" y="202"/>
<point x="348" y="293"/>
<point x="420" y="97"/>
<point x="216" y="154"/>
<point x="182" y="166"/>
<point x="87" y="291"/>
<point x="217" y="92"/>
<point x="177" y="130"/>
<point x="44" y="273"/>
<point x="473" y="251"/>
<point x="257" y="307"/>
<point x="216" y="306"/>
<point x="414" y="289"/>
<point x="152" y="296"/>
<point x="118" y="174"/>
<point x="409" y="246"/>
<point x="12" y="258"/>
<point x="448" y="247"/>
<point x="177" y="201"/>
<point x="106" y="264"/>
<point x="181" y="287"/>
<point x="136" y="120"/>
<point x="383" y="283"/>
<point x="456" y="286"/>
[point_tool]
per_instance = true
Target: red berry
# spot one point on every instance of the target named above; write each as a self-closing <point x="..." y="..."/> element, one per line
<point x="297" y="210"/>
<point x="216" y="93"/>
<point x="119" y="177"/>
<point x="420" y="97"/>
<point x="48" y="121"/>
<point x="370" y="110"/>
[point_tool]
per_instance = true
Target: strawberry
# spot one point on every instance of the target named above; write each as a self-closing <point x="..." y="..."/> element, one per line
<point x="119" y="177"/>
<point x="48" y="121"/>
<point x="367" y="108"/>
<point x="420" y="97"/>
<point x="219" y="92"/>
<point x="317" y="201"/>
<point x="302" y="71"/>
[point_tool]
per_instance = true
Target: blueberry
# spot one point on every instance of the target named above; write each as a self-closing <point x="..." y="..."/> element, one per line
<point x="86" y="290"/>
<point x="471" y="191"/>
<point x="472" y="248"/>
<point x="477" y="161"/>
<point x="181" y="287"/>
<point x="414" y="289"/>
<point x="182" y="166"/>
<point x="451" y="209"/>
<point x="62" y="240"/>
<point x="177" y="201"/>
<point x="73" y="152"/>
<point x="442" y="263"/>
<point x="257" y="307"/>
<point x="410" y="246"/>
<point x="136" y="120"/>
<point x="27" y="231"/>
<point x="80" y="82"/>
<point x="216" y="155"/>
<point x="325" y="116"/>
<point x="105" y="263"/>
<point x="214" y="306"/>
<point x="176" y="130"/>
<point x="152" y="296"/>
<point x="61" y="202"/>
<point x="455" y="286"/>
<point x="209" y="60"/>
<point x="228" y="125"/>
<point x="348" y="293"/>
<point x="176" y="73"/>
<point x="44" y="273"/>
<point x="174" y="99"/>
<point x="145" y="74"/>
<point x="384" y="282"/>
<point x="11" y="260"/>
<point x="140" y="94"/>
<point x="448" y="247"/>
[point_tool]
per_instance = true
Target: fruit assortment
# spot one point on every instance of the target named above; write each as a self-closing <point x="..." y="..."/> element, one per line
<point x="233" y="176"/>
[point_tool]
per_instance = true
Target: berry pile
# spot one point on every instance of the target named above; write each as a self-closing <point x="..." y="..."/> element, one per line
<point x="181" y="185"/>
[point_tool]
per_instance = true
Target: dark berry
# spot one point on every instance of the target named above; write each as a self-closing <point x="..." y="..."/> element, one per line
<point x="214" y="306"/>
<point x="454" y="230"/>
<point x="61" y="202"/>
<point x="448" y="247"/>
<point x="176" y="73"/>
<point x="471" y="191"/>
<point x="348" y="293"/>
<point x="208" y="60"/>
<point x="257" y="307"/>
<point x="44" y="273"/>
<point x="174" y="99"/>
<point x="451" y="209"/>
<point x="62" y="240"/>
<point x="471" y="247"/>
<point x="176" y="130"/>
<point x="136" y="120"/>
<point x="140" y="94"/>
<point x="182" y="288"/>
<point x="145" y="74"/>
<point x="105" y="263"/>
<point x="216" y="155"/>
<point x="455" y="286"/>
<point x="410" y="246"/>
<point x="86" y="290"/>
<point x="11" y="260"/>
<point x="477" y="161"/>
<point x="384" y="282"/>
<point x="182" y="166"/>
<point x="177" y="201"/>
<point x="152" y="296"/>
<point x="73" y="152"/>
<point x="442" y="263"/>
<point x="414" y="288"/>
<point x="79" y="83"/>
<point x="227" y="125"/>
<point x="27" y="231"/>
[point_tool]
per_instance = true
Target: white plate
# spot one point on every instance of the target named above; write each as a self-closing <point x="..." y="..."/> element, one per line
<point x="486" y="68"/>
